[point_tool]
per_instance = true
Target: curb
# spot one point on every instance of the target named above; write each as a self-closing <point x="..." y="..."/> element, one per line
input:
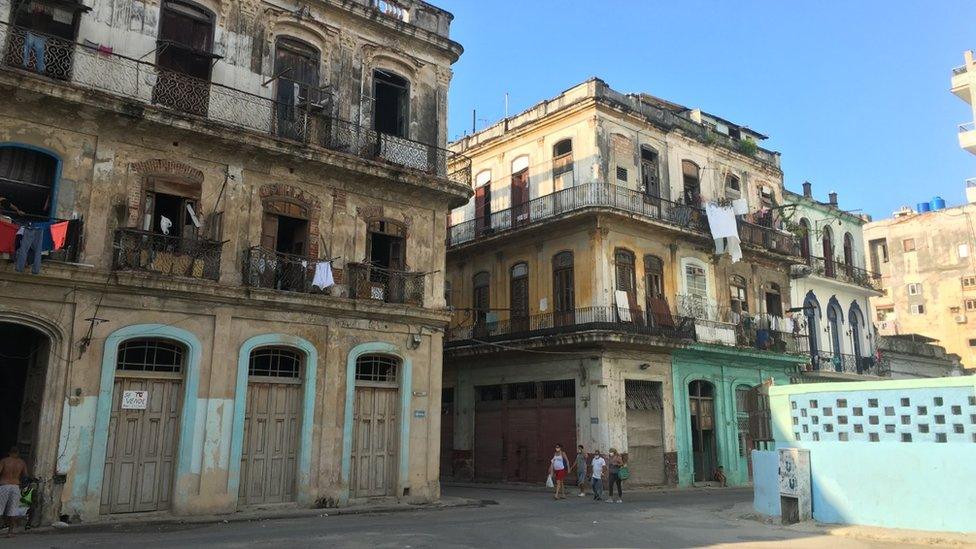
<point x="525" y="487"/>
<point x="258" y="516"/>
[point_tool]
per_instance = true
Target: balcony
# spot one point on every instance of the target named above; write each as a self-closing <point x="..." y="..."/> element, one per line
<point x="99" y="69"/>
<point x="721" y="325"/>
<point x="768" y="238"/>
<point x="967" y="136"/>
<point x="570" y="322"/>
<point x="845" y="273"/>
<point x="148" y="252"/>
<point x="368" y="281"/>
<point x="577" y="198"/>
<point x="838" y="363"/>
<point x="273" y="270"/>
<point x="962" y="78"/>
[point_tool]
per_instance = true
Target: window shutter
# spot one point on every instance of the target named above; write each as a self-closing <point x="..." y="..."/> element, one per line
<point x="269" y="231"/>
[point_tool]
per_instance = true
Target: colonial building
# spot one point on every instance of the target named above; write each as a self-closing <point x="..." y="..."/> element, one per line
<point x="832" y="288"/>
<point x="590" y="304"/>
<point x="963" y="84"/>
<point x="928" y="275"/>
<point x="182" y="347"/>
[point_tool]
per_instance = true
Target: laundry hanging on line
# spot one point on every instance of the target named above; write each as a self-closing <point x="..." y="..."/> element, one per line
<point x="725" y="231"/>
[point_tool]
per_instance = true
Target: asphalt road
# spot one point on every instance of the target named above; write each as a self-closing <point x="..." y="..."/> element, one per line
<point x="517" y="519"/>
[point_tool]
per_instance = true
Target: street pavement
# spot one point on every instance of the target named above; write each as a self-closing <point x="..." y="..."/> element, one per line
<point x="510" y="519"/>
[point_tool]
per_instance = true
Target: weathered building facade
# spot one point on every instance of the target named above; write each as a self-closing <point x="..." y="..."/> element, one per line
<point x="219" y="162"/>
<point x="928" y="276"/>
<point x="832" y="288"/>
<point x="590" y="305"/>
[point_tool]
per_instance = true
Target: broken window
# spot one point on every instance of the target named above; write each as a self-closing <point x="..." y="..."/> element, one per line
<point x="297" y="85"/>
<point x="171" y="208"/>
<point x="43" y="36"/>
<point x="733" y="187"/>
<point x="691" y="182"/>
<point x="183" y="54"/>
<point x="27" y="180"/>
<point x="391" y="101"/>
<point x="562" y="165"/>
<point x="739" y="299"/>
<point x="650" y="173"/>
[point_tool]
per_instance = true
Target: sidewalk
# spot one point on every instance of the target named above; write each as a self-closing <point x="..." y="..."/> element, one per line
<point x="745" y="511"/>
<point x="141" y="521"/>
<point x="540" y="487"/>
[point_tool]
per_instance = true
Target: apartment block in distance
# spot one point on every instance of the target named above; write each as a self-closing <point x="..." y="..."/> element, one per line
<point x="590" y="304"/>
<point x="245" y="305"/>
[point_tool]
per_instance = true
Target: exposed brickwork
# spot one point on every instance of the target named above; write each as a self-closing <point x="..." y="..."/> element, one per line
<point x="279" y="191"/>
<point x="156" y="167"/>
<point x="339" y="200"/>
<point x="370" y="212"/>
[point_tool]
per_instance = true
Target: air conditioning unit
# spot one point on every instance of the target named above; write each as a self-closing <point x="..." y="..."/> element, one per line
<point x="800" y="270"/>
<point x="960" y="319"/>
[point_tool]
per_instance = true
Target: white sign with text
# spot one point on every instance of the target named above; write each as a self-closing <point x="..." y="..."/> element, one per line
<point x="135" y="400"/>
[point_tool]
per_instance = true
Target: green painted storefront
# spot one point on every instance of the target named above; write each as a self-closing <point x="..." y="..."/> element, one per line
<point x="708" y="377"/>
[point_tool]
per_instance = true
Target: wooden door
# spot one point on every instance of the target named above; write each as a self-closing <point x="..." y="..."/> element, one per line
<point x="519" y="298"/>
<point x="142" y="445"/>
<point x="520" y="197"/>
<point x="482" y="209"/>
<point x="375" y="442"/>
<point x="297" y="67"/>
<point x="563" y="291"/>
<point x="272" y="423"/>
<point x="702" y="410"/>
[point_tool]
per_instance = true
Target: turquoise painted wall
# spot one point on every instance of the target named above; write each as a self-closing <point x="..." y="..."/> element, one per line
<point x="895" y="454"/>
<point x="727" y="368"/>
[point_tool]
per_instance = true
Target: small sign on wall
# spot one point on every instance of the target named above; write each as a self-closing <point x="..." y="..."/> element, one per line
<point x="135" y="400"/>
<point x="420" y="413"/>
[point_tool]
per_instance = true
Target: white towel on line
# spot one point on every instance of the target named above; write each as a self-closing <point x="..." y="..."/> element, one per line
<point x="323" y="275"/>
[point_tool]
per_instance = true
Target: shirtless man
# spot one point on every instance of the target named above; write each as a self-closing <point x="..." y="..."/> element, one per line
<point x="12" y="471"/>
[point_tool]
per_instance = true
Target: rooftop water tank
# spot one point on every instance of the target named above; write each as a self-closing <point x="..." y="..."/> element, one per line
<point x="923" y="207"/>
<point x="937" y="203"/>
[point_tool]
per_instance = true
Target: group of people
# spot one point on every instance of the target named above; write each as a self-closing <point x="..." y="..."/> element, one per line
<point x="612" y="467"/>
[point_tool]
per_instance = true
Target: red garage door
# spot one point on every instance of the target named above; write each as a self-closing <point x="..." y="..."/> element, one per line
<point x="518" y="424"/>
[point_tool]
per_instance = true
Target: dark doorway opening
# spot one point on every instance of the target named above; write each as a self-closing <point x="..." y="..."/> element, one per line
<point x="701" y="401"/>
<point x="390" y="93"/>
<point x="292" y="235"/>
<point x="24" y="358"/>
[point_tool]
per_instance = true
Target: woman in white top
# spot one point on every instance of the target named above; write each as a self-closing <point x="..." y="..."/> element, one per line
<point x="558" y="466"/>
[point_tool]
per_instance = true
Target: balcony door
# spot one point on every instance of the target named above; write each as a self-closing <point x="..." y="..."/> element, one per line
<point x="184" y="58"/>
<point x="284" y="230"/>
<point x="519" y="298"/>
<point x="43" y="36"/>
<point x="563" y="292"/>
<point x="650" y="176"/>
<point x="520" y="197"/>
<point x="297" y="87"/>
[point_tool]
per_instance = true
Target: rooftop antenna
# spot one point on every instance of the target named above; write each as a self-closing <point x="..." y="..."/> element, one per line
<point x="474" y="120"/>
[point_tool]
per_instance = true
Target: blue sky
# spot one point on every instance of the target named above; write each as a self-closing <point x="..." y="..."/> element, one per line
<point x="854" y="94"/>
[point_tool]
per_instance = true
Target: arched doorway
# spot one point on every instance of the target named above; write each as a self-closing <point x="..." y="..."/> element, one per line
<point x="144" y="426"/>
<point x="856" y="319"/>
<point x="827" y="244"/>
<point x="272" y="426"/>
<point x="835" y="321"/>
<point x="701" y="403"/>
<point x="24" y="373"/>
<point x="811" y="311"/>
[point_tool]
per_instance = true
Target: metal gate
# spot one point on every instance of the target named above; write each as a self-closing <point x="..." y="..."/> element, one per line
<point x="376" y="427"/>
<point x="645" y="431"/>
<point x="142" y="443"/>
<point x="272" y="422"/>
<point x="517" y="425"/>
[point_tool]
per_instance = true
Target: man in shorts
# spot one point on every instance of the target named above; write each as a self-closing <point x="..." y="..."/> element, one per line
<point x="12" y="471"/>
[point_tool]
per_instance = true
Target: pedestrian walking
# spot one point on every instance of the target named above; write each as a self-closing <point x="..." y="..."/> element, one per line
<point x="599" y="467"/>
<point x="579" y="466"/>
<point x="614" y="465"/>
<point x="558" y="467"/>
<point x="13" y="470"/>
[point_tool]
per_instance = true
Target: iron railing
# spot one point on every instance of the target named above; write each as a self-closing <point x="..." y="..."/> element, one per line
<point x="825" y="361"/>
<point x="768" y="238"/>
<point x="573" y="321"/>
<point x="368" y="281"/>
<point x="967" y="127"/>
<point x="586" y="195"/>
<point x="845" y="272"/>
<point x="264" y="268"/>
<point x="191" y="257"/>
<point x="95" y="68"/>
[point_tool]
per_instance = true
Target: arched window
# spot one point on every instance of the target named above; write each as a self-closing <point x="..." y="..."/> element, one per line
<point x="623" y="261"/>
<point x="27" y="179"/>
<point x="835" y="320"/>
<point x="275" y="362"/>
<point x="297" y="86"/>
<point x="855" y="319"/>
<point x="848" y="254"/>
<point x="828" y="252"/>
<point x="805" y="239"/>
<point x="391" y="103"/>
<point x="811" y="310"/>
<point x="519" y="297"/>
<point x="186" y="29"/>
<point x="377" y="369"/>
<point x="650" y="172"/>
<point x="151" y="355"/>
<point x="739" y="297"/>
<point x="563" y="291"/>
<point x="562" y="165"/>
<point x="691" y="181"/>
<point x="481" y="298"/>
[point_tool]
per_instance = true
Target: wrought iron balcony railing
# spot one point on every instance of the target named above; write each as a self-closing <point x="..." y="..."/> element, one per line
<point x="846" y="273"/>
<point x="768" y="238"/>
<point x="745" y="329"/>
<point x="264" y="268"/>
<point x="100" y="69"/>
<point x="190" y="257"/>
<point x="586" y="195"/>
<point x="572" y="321"/>
<point x="824" y="361"/>
<point x="368" y="281"/>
